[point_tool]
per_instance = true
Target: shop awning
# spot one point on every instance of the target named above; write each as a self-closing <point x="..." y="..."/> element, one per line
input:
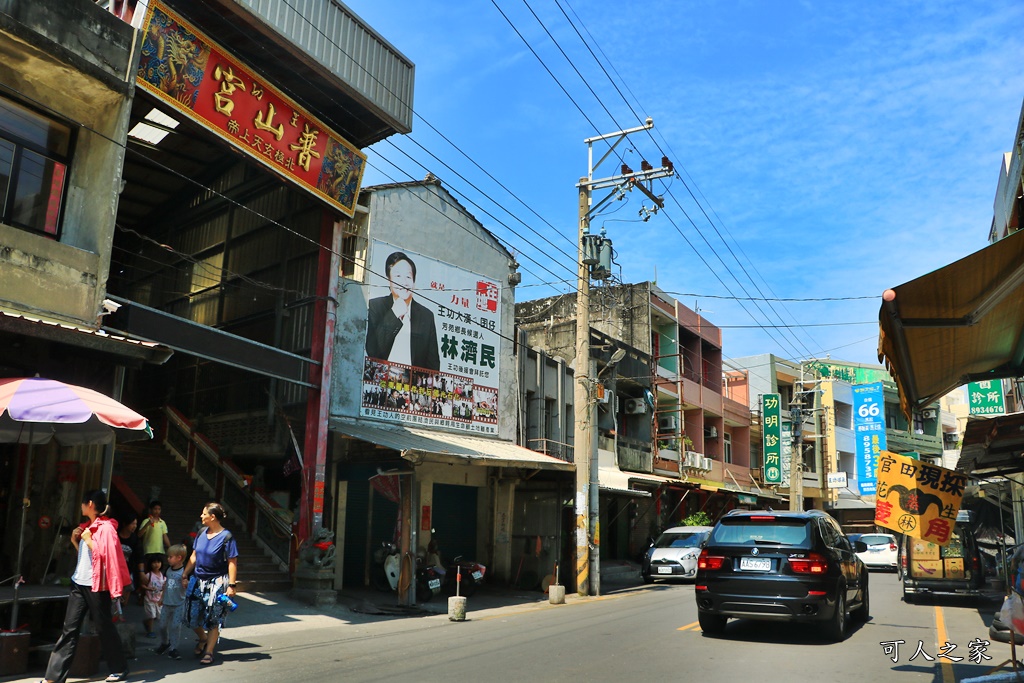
<point x="961" y="323"/>
<point x="427" y="445"/>
<point x="993" y="445"/>
<point x="83" y="337"/>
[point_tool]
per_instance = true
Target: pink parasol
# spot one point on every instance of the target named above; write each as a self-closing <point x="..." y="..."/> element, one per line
<point x="34" y="411"/>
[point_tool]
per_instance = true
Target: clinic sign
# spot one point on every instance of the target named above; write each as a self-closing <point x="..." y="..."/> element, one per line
<point x="869" y="433"/>
<point x="432" y="343"/>
<point x="771" y="437"/>
<point x="197" y="77"/>
<point x="986" y="398"/>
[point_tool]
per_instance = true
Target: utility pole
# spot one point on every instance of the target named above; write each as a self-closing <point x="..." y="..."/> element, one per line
<point x="796" y="461"/>
<point x="583" y="425"/>
<point x="594" y="261"/>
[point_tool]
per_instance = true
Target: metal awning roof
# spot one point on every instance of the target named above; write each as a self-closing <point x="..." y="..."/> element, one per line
<point x="993" y="445"/>
<point x="83" y="337"/>
<point x="428" y="445"/>
<point x="961" y="323"/>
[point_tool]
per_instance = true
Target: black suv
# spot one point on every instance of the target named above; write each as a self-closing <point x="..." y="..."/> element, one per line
<point x="780" y="566"/>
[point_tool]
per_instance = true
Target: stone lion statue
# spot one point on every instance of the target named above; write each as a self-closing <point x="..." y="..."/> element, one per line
<point x="318" y="551"/>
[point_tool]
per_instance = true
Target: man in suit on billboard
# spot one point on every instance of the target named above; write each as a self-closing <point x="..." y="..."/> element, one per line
<point x="399" y="329"/>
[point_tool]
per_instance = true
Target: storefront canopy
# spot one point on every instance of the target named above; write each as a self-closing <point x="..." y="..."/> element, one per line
<point x="427" y="445"/>
<point x="613" y="480"/>
<point x="993" y="445"/>
<point x="961" y="323"/>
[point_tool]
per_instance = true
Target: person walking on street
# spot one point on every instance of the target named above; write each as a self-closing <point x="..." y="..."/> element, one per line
<point x="171" y="601"/>
<point x="153" y="583"/>
<point x="210" y="574"/>
<point x="153" y="532"/>
<point x="126" y="526"/>
<point x="100" y="575"/>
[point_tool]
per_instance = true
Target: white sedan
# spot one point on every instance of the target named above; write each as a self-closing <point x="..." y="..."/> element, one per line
<point x="881" y="552"/>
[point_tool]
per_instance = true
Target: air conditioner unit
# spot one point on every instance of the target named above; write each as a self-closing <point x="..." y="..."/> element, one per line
<point x="668" y="423"/>
<point x="711" y="432"/>
<point x="635" y="406"/>
<point x="929" y="414"/>
<point x="707" y="464"/>
<point x="693" y="459"/>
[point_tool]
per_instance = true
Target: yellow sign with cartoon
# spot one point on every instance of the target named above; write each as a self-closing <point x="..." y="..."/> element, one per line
<point x="917" y="499"/>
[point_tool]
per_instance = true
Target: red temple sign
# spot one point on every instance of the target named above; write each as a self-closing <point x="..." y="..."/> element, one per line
<point x="186" y="69"/>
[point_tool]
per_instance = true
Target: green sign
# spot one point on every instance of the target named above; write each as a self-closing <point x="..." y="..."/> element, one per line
<point x="771" y="437"/>
<point x="986" y="398"/>
<point x="787" y="450"/>
<point x="853" y="374"/>
<point x="746" y="499"/>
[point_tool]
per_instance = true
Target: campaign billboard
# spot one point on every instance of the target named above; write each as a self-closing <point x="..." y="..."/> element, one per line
<point x="869" y="432"/>
<point x="431" y="356"/>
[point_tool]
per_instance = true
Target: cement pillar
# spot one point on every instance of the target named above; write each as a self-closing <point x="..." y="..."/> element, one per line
<point x="504" y="506"/>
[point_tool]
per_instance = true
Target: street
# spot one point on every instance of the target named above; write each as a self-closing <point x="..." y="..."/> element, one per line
<point x="632" y="633"/>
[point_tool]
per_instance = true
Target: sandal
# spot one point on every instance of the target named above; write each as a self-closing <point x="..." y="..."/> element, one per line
<point x="207" y="659"/>
<point x="200" y="648"/>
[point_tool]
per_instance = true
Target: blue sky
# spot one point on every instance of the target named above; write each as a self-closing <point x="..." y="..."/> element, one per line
<point x="834" y="149"/>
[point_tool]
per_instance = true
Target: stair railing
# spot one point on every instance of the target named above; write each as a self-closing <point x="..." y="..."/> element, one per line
<point x="259" y="515"/>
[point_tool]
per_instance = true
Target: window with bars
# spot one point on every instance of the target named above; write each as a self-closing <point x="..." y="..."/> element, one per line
<point x="35" y="152"/>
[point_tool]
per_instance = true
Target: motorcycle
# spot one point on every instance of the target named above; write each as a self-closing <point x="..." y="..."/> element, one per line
<point x="428" y="581"/>
<point x="464" y="577"/>
<point x="387" y="567"/>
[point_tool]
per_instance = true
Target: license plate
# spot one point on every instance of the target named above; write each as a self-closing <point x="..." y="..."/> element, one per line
<point x="755" y="564"/>
<point x="477" y="576"/>
<point x="875" y="550"/>
<point x="434" y="584"/>
<point x="664" y="570"/>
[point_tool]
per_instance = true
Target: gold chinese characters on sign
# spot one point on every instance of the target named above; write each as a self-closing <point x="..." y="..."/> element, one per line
<point x="917" y="499"/>
<point x="188" y="71"/>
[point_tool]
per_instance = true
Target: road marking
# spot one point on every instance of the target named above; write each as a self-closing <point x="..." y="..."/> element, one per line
<point x="940" y="627"/>
<point x="688" y="626"/>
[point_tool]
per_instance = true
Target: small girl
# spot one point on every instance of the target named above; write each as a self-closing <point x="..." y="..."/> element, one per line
<point x="153" y="583"/>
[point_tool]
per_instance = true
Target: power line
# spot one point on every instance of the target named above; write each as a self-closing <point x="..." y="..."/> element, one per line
<point x="637" y="116"/>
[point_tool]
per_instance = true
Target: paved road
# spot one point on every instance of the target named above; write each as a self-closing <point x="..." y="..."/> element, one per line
<point x="638" y="634"/>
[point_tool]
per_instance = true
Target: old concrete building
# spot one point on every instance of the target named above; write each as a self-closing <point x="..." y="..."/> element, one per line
<point x="425" y="426"/>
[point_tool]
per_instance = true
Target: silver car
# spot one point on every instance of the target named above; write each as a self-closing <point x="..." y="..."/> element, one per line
<point x="674" y="554"/>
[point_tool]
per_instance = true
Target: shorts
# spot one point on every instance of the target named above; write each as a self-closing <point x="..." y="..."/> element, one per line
<point x="152" y="609"/>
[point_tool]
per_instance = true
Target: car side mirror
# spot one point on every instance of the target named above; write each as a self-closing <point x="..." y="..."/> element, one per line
<point x="860" y="547"/>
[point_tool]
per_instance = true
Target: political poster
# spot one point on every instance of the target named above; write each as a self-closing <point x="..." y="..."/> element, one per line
<point x="432" y="343"/>
<point x="917" y="499"/>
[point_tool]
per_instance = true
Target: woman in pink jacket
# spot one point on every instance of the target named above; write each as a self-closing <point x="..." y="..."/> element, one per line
<point x="100" y="575"/>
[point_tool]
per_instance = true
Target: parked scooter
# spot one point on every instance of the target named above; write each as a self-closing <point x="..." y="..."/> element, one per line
<point x="464" y="576"/>
<point x="428" y="581"/>
<point x="387" y="565"/>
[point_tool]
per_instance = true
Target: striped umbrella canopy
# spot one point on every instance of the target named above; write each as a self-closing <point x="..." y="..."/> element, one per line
<point x="34" y="410"/>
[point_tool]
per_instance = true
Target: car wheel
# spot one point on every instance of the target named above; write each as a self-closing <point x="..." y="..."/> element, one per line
<point x="863" y="612"/>
<point x="711" y="624"/>
<point x="646" y="577"/>
<point x="835" y="630"/>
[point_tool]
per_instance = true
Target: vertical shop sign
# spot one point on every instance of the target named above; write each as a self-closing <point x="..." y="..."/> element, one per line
<point x="771" y="437"/>
<point x="869" y="432"/>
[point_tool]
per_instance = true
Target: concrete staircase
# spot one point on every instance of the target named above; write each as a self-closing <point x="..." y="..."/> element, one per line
<point x="151" y="471"/>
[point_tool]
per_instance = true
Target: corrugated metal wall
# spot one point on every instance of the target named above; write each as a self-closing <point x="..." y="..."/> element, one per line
<point x="334" y="35"/>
